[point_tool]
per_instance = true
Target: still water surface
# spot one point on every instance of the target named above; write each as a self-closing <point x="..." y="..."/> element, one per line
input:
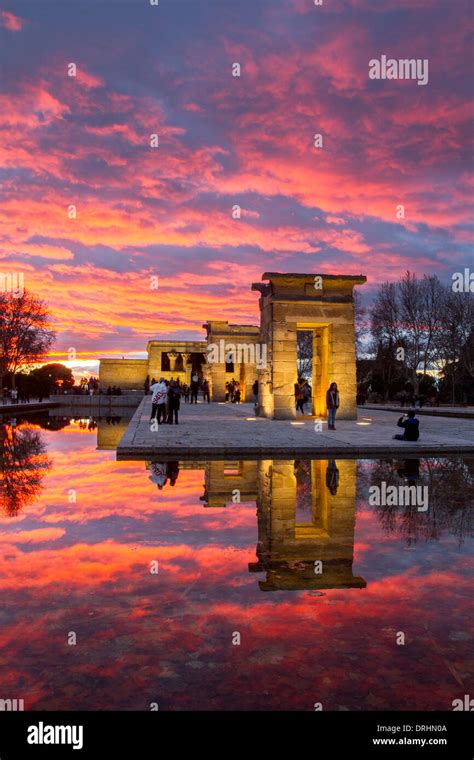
<point x="159" y="569"/>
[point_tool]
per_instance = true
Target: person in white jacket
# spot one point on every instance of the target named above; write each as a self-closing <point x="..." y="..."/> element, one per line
<point x="158" y="401"/>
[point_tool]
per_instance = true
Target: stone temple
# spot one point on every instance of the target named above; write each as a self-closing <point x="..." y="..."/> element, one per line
<point x="321" y="305"/>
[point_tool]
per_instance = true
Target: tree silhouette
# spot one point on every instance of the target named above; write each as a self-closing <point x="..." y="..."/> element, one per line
<point x="23" y="464"/>
<point x="450" y="485"/>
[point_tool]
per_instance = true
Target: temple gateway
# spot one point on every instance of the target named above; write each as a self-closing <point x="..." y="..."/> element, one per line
<point x="321" y="306"/>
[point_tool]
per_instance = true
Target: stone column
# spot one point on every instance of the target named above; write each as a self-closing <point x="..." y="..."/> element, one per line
<point x="218" y="380"/>
<point x="172" y="356"/>
<point x="187" y="370"/>
<point x="342" y="368"/>
<point x="284" y="367"/>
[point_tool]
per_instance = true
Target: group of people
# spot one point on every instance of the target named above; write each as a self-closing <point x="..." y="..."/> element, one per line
<point x="165" y="401"/>
<point x="17" y="396"/>
<point x="161" y="472"/>
<point x="167" y="394"/>
<point x="189" y="392"/>
<point x="113" y="391"/>
<point x="233" y="392"/>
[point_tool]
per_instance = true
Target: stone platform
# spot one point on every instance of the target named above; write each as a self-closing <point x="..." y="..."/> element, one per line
<point x="229" y="431"/>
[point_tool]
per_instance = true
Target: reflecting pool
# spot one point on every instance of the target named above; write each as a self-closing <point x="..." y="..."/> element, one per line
<point x="251" y="585"/>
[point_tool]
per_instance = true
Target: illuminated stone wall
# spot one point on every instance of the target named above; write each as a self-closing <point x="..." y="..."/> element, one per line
<point x="243" y="340"/>
<point x="230" y="483"/>
<point x="292" y="302"/>
<point x="127" y="374"/>
<point x="288" y="548"/>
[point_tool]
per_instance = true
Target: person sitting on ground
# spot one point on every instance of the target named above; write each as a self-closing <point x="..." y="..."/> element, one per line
<point x="411" y="426"/>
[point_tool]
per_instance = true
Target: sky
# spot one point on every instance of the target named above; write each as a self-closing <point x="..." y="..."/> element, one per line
<point x="152" y="248"/>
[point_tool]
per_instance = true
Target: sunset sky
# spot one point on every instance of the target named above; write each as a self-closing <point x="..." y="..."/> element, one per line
<point x="166" y="212"/>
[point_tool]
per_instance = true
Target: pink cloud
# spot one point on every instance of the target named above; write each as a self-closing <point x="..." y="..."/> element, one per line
<point x="10" y="21"/>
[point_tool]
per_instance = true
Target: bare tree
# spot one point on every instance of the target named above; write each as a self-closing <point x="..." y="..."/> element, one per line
<point x="23" y="465"/>
<point x="455" y="338"/>
<point x="304" y="353"/>
<point x="25" y="332"/>
<point x="407" y="315"/>
<point x="362" y="326"/>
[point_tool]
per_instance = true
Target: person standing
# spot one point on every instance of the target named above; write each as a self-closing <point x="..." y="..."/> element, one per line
<point x="306" y="391"/>
<point x="194" y="387"/>
<point x="332" y="403"/>
<point x="299" y="398"/>
<point x="205" y="392"/>
<point x="255" y="392"/>
<point x="237" y="392"/>
<point x="158" y="401"/>
<point x="174" y="397"/>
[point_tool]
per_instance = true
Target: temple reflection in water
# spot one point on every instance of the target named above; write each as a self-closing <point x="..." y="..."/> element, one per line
<point x="305" y="516"/>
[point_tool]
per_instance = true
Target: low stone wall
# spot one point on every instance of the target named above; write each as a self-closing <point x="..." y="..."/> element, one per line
<point x="101" y="401"/>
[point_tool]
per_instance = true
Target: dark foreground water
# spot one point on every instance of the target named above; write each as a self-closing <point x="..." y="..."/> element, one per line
<point x="272" y="585"/>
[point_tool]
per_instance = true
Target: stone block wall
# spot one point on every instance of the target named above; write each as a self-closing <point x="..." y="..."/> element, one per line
<point x="289" y="303"/>
<point x="127" y="374"/>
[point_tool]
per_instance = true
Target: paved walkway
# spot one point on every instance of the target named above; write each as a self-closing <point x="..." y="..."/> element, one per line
<point x="229" y="431"/>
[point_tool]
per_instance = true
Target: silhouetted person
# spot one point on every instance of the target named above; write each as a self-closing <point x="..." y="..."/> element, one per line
<point x="147" y="385"/>
<point x="172" y="471"/>
<point x="194" y="388"/>
<point x="299" y="397"/>
<point x="332" y="477"/>
<point x="237" y="392"/>
<point x="255" y="392"/>
<point x="410" y="470"/>
<point x="205" y="392"/>
<point x="332" y="403"/>
<point x="411" y="426"/>
<point x="174" y="396"/>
